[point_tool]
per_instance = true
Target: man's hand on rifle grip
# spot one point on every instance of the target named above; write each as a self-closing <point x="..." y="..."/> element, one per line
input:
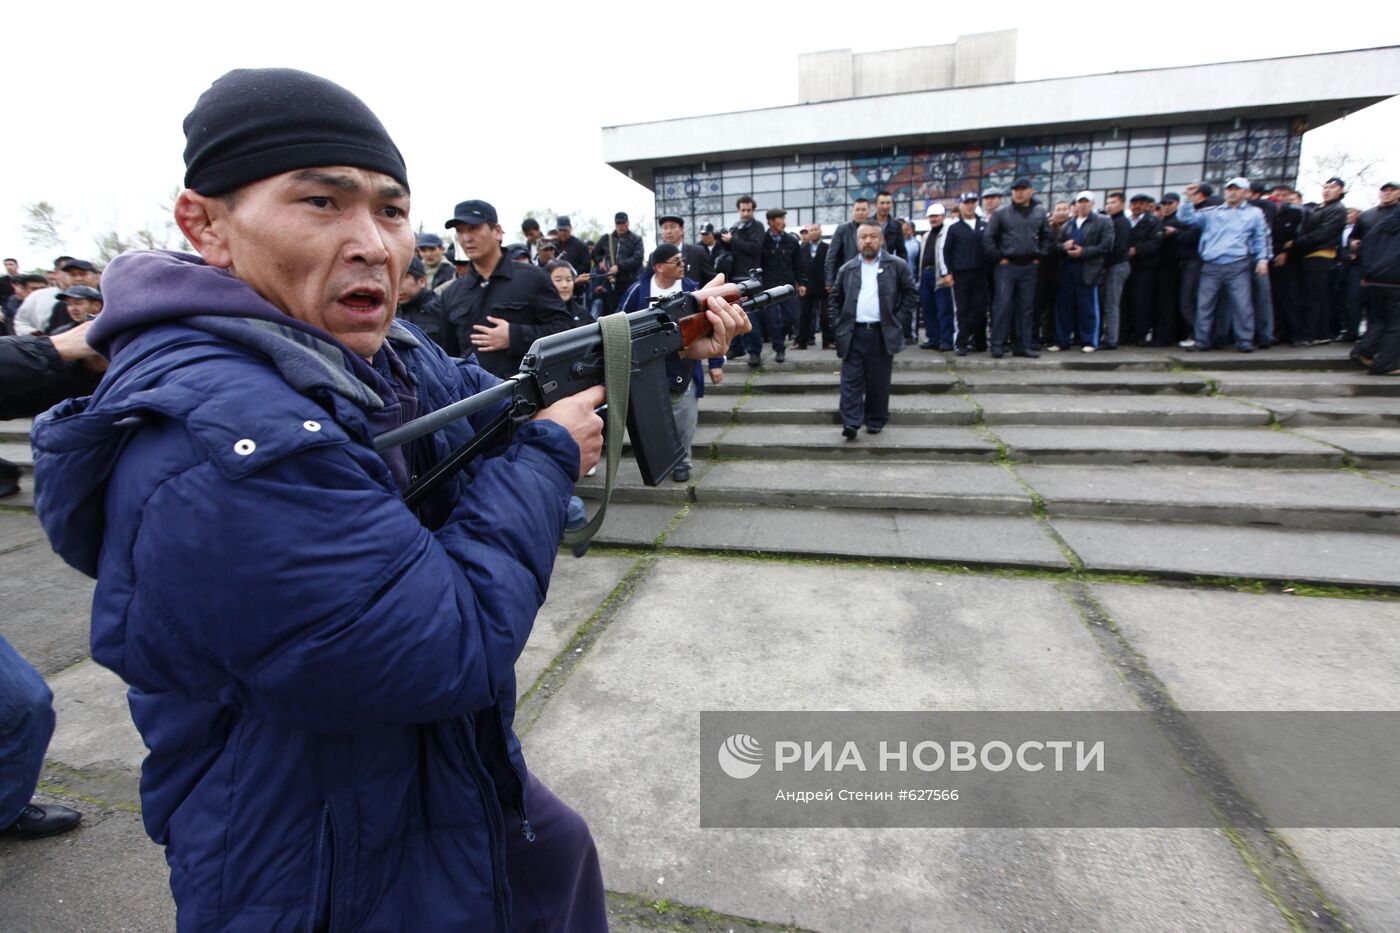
<point x="576" y="414"/>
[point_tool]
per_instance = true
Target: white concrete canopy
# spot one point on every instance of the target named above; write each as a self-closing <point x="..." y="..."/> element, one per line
<point x="1317" y="88"/>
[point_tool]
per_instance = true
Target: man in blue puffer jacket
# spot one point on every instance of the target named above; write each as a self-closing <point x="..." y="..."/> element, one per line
<point x="325" y="680"/>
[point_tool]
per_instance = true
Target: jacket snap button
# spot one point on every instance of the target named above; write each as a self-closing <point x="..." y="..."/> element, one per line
<point x="311" y="425"/>
<point x="244" y="447"/>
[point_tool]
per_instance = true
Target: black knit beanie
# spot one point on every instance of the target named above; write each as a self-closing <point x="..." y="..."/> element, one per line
<point x="254" y="123"/>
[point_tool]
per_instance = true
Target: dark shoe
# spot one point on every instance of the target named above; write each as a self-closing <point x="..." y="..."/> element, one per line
<point x="850" y="433"/>
<point x="44" y="819"/>
<point x="755" y="359"/>
<point x="1348" y="336"/>
<point x="945" y="347"/>
<point x="1029" y="354"/>
<point x="1198" y="348"/>
<point x="779" y="356"/>
<point x="870" y="430"/>
<point x="1319" y="341"/>
<point x="998" y="354"/>
<point x="828" y="345"/>
<point x="681" y="474"/>
<point x="1108" y="346"/>
<point x="1364" y="360"/>
<point x="928" y="345"/>
<point x="1245" y="348"/>
<point x="961" y="351"/>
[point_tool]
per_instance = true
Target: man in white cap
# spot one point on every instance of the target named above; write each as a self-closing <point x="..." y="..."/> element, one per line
<point x="1084" y="240"/>
<point x="1231" y="234"/>
<point x="935" y="284"/>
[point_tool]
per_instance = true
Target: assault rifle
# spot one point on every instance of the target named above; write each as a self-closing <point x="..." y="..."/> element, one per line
<point x="634" y="347"/>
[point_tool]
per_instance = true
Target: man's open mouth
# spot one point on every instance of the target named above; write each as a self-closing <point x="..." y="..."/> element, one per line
<point x="362" y="299"/>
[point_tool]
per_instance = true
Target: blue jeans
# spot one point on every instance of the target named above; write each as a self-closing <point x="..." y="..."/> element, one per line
<point x="767" y="324"/>
<point x="937" y="306"/>
<point x="26" y="724"/>
<point x="1263" y="308"/>
<point x="1233" y="282"/>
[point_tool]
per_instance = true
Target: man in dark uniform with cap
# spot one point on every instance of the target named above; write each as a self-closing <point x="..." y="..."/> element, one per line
<point x="782" y="265"/>
<point x="621" y="252"/>
<point x="419" y="305"/>
<point x="436" y="266"/>
<point x="1144" y="249"/>
<point x="571" y="249"/>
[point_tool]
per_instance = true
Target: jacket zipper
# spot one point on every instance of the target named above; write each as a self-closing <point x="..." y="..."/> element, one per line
<point x="326" y="836"/>
<point x="488" y="801"/>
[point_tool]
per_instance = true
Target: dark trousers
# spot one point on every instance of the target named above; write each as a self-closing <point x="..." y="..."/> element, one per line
<point x="1142" y="303"/>
<point x="1284" y="286"/>
<point x="555" y="881"/>
<point x="1047" y="290"/>
<point x="810" y="321"/>
<point x="1015" y="297"/>
<point x="1076" y="310"/>
<point x="1190" y="284"/>
<point x="1382" y="340"/>
<point x="970" y="304"/>
<point x="1317" y="299"/>
<point x="1168" y="303"/>
<point x="865" y="380"/>
<point x="937" y="307"/>
<point x="767" y="325"/>
<point x="1353" y="301"/>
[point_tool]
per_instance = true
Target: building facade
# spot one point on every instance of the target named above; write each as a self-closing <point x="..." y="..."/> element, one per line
<point x="930" y="123"/>
<point x="820" y="188"/>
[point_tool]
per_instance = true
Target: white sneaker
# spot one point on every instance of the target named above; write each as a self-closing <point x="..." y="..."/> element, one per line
<point x="591" y="471"/>
<point x="1087" y="349"/>
<point x="1188" y="342"/>
<point x="1052" y="349"/>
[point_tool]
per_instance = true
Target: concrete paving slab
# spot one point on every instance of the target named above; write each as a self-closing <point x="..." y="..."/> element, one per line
<point x="618" y="742"/>
<point x="1141" y="360"/>
<point x="897" y="441"/>
<point x="1041" y="382"/>
<point x="1377" y="446"/>
<point x="1366" y="411"/>
<point x="15" y="431"/>
<point x="579" y="585"/>
<point x="19" y="530"/>
<point x="94" y="727"/>
<point x="45" y="606"/>
<point x="985" y="540"/>
<point x="1162" y="446"/>
<point x="1233" y="651"/>
<point x="1172" y="408"/>
<point x="823" y="408"/>
<point x="1302" y="384"/>
<point x="1384" y="476"/>
<point x="1218" y="650"/>
<point x="103" y="877"/>
<point x="1180" y="549"/>
<point x="18" y="454"/>
<point x="1336" y="499"/>
<point x="634" y="525"/>
<point x="982" y="488"/>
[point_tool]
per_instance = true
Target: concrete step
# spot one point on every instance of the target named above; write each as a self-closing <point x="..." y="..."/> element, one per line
<point x="1325" y="499"/>
<point x="903" y="382"/>
<point x="1164" y="409"/>
<point x="813" y="442"/>
<point x="1075" y="382"/>
<point x="1282" y="554"/>
<point x="1349" y="382"/>
<point x="15" y="432"/>
<point x="1164" y="446"/>
<point x="961" y="488"/>
<point x="1329" y="357"/>
<point x="1364" y="411"/>
<point x="1371" y="447"/>
<point x="981" y="540"/>
<point x="822" y="408"/>
<point x="19" y="454"/>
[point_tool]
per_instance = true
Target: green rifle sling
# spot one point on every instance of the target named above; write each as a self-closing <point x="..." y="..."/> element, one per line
<point x="617" y="380"/>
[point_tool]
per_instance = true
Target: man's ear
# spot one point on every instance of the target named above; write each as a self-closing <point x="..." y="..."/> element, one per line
<point x="202" y="220"/>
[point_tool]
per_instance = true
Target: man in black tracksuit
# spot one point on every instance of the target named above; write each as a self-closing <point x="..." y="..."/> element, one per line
<point x="1144" y="248"/>
<point x="966" y="261"/>
<point x="1319" y="238"/>
<point x="1378" y="231"/>
<point x="621" y="252"/>
<point x="1016" y="237"/>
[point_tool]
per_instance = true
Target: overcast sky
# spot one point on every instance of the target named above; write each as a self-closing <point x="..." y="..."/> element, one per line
<point x="505" y="101"/>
